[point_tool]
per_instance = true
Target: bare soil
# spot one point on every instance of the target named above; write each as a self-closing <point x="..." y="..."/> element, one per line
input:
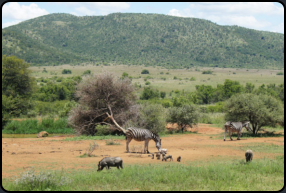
<point x="20" y="154"/>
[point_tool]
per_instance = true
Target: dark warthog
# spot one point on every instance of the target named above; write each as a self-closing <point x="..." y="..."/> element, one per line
<point x="110" y="162"/>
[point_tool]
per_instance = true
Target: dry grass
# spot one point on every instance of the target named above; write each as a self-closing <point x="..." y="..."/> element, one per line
<point x="255" y="76"/>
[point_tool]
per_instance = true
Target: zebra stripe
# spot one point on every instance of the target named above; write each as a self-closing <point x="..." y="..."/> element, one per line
<point x="139" y="134"/>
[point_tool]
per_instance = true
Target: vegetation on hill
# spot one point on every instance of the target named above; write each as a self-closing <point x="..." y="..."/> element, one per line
<point x="141" y="39"/>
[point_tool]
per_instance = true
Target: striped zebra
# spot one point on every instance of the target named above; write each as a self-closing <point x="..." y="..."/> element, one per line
<point x="235" y="127"/>
<point x="139" y="134"/>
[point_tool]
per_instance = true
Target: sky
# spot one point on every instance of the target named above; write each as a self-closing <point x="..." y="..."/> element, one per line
<point x="265" y="16"/>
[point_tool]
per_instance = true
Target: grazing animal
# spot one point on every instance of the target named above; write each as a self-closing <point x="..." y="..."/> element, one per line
<point x="179" y="159"/>
<point x="163" y="151"/>
<point x="152" y="155"/>
<point x="235" y="127"/>
<point x="167" y="157"/>
<point x="248" y="155"/>
<point x="110" y="162"/>
<point x="138" y="134"/>
<point x="158" y="155"/>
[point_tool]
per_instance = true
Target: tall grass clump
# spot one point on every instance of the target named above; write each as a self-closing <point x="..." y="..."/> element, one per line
<point x="23" y="127"/>
<point x="44" y="181"/>
<point x="32" y="126"/>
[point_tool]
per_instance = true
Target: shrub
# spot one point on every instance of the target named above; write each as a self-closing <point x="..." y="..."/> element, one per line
<point x="86" y="72"/>
<point x="192" y="79"/>
<point x="92" y="146"/>
<point x="279" y="73"/>
<point x="207" y="72"/>
<point x="162" y="94"/>
<point x="66" y="71"/>
<point x="29" y="181"/>
<point x="103" y="130"/>
<point x="187" y="115"/>
<point x="145" y="71"/>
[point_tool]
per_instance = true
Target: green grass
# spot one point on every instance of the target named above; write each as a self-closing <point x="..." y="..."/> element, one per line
<point x="259" y="175"/>
<point x="256" y="77"/>
<point x="33" y="126"/>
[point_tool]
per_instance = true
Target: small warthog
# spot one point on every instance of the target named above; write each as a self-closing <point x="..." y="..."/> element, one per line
<point x="110" y="162"/>
<point x="163" y="151"/>
<point x="179" y="159"/>
<point x="167" y="157"/>
<point x="248" y="155"/>
<point x="158" y="155"/>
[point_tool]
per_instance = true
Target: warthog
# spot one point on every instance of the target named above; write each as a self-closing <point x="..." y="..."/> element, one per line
<point x="163" y="151"/>
<point x="158" y="155"/>
<point x="179" y="158"/>
<point x="110" y="162"/>
<point x="248" y="155"/>
<point x="167" y="157"/>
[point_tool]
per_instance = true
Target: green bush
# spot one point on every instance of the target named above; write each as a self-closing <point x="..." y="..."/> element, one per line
<point x="207" y="72"/>
<point x="218" y="107"/>
<point x="145" y="71"/>
<point x="66" y="71"/>
<point x="103" y="130"/>
<point x="86" y="72"/>
<point x="32" y="126"/>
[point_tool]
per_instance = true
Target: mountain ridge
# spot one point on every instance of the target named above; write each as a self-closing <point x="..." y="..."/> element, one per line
<point x="141" y="39"/>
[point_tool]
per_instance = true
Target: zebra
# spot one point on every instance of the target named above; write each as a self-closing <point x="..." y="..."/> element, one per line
<point x="138" y="134"/>
<point x="235" y="127"/>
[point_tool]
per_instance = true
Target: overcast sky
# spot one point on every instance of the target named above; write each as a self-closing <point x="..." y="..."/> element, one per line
<point x="266" y="16"/>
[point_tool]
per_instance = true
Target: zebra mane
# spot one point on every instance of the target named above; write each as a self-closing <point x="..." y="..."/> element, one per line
<point x="156" y="134"/>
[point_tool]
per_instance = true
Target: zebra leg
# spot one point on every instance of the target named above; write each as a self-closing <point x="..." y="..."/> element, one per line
<point x="224" y="133"/>
<point x="127" y="144"/>
<point x="146" y="146"/>
<point x="238" y="135"/>
<point x="230" y="135"/>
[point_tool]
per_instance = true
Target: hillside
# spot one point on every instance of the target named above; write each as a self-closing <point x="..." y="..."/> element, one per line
<point x="150" y="39"/>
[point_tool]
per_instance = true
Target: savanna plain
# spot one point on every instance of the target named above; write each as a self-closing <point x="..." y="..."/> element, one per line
<point x="59" y="162"/>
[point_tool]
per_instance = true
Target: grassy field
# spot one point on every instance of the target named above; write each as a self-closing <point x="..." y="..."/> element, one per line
<point x="163" y="79"/>
<point x="228" y="175"/>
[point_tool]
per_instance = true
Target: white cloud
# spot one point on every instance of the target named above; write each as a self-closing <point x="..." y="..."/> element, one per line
<point x="96" y="8"/>
<point x="180" y="13"/>
<point x="255" y="15"/>
<point x="278" y="28"/>
<point x="175" y="12"/>
<point x="7" y="24"/>
<point x="84" y="11"/>
<point x="240" y="8"/>
<point x="13" y="10"/>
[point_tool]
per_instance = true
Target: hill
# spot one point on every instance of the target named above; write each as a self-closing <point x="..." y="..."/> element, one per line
<point x="149" y="39"/>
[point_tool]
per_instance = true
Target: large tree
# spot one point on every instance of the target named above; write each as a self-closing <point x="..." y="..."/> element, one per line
<point x="184" y="116"/>
<point x="17" y="86"/>
<point x="101" y="94"/>
<point x="260" y="110"/>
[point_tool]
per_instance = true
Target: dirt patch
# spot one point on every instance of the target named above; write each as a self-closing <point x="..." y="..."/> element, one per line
<point x="20" y="154"/>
